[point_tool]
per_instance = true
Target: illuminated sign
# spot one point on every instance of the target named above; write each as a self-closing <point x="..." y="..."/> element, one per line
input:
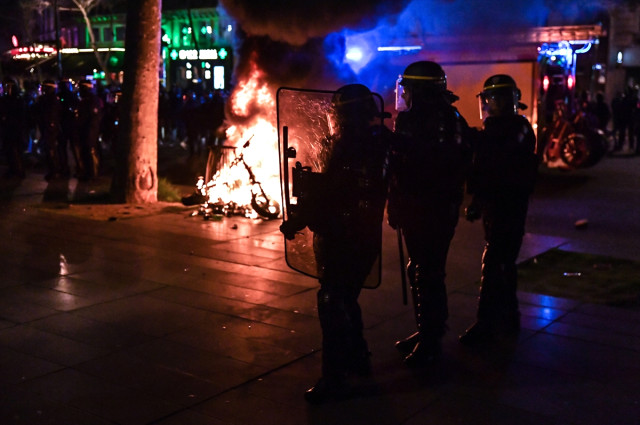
<point x="218" y="77"/>
<point x="203" y="54"/>
<point x="32" y="52"/>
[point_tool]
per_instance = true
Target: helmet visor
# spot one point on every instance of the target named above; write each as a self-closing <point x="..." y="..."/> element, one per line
<point x="402" y="97"/>
<point x="496" y="103"/>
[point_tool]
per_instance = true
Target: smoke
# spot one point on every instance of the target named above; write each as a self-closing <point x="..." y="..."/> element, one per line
<point x="304" y="43"/>
<point x="295" y="22"/>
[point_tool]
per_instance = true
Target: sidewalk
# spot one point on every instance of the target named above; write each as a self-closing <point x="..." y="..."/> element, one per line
<point x="152" y="316"/>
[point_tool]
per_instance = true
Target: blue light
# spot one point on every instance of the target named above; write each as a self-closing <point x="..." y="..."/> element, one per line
<point x="399" y="48"/>
<point x="354" y="54"/>
<point x="584" y="49"/>
<point x="358" y="52"/>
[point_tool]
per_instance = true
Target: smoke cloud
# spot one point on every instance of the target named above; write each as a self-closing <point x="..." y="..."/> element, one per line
<point x="295" y="22"/>
<point x="303" y="43"/>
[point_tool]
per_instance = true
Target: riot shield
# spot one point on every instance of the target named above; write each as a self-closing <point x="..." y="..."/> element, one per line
<point x="304" y="119"/>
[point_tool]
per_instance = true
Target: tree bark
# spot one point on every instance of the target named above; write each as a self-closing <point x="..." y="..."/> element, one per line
<point x="135" y="178"/>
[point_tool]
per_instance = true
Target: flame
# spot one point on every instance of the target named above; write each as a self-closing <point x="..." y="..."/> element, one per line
<point x="253" y="123"/>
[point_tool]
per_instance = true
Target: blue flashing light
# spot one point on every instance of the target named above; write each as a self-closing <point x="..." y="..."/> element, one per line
<point x="557" y="52"/>
<point x="354" y="54"/>
<point x="358" y="52"/>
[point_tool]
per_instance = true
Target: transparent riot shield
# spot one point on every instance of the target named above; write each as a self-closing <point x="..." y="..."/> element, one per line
<point x="304" y="126"/>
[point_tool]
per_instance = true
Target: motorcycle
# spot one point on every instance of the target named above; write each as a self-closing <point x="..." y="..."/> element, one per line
<point x="572" y="143"/>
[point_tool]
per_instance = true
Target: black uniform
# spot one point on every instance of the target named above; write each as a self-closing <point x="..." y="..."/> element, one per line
<point x="345" y="213"/>
<point x="504" y="174"/>
<point x="429" y="168"/>
<point x="347" y="244"/>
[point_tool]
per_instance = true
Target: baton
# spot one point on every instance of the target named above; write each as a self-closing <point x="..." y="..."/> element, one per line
<point x="403" y="271"/>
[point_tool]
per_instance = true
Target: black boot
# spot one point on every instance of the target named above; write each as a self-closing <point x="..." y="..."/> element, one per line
<point x="406" y="346"/>
<point x="359" y="361"/>
<point x="328" y="389"/>
<point x="498" y="313"/>
<point x="430" y="304"/>
<point x="427" y="351"/>
<point x="492" y="330"/>
<point x="481" y="332"/>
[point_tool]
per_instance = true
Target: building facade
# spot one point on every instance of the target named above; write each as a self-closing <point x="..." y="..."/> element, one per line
<point x="197" y="48"/>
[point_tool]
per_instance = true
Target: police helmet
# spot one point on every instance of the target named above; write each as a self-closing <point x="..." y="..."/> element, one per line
<point x="500" y="96"/>
<point x="422" y="79"/>
<point x="355" y="99"/>
<point x="424" y="74"/>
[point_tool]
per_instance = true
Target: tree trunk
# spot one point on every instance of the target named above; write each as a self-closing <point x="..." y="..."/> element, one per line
<point x="135" y="177"/>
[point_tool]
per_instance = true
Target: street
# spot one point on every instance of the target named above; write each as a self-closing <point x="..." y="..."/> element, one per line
<point x="120" y="314"/>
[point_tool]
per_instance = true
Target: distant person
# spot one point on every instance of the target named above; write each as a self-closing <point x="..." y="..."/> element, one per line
<point x="504" y="173"/>
<point x="622" y="113"/>
<point x="68" y="140"/>
<point x="48" y="116"/>
<point x="345" y="211"/>
<point x="13" y="124"/>
<point x="602" y="112"/>
<point x="192" y="119"/>
<point x="89" y="120"/>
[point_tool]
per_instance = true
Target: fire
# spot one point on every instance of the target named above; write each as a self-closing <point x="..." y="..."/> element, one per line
<point x="249" y="171"/>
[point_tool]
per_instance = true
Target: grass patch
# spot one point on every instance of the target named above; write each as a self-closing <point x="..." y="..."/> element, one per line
<point x="584" y="277"/>
<point x="167" y="192"/>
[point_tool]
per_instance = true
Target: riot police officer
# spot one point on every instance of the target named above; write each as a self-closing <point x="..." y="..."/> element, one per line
<point x="345" y="213"/>
<point x="429" y="166"/>
<point x="13" y="124"/>
<point x="504" y="173"/>
<point x="89" y="119"/>
<point x="48" y="113"/>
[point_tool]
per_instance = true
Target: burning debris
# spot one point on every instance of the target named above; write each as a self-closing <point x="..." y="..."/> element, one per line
<point x="227" y="194"/>
<point x="242" y="176"/>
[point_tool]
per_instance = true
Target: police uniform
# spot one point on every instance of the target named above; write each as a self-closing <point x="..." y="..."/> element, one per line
<point x="430" y="165"/>
<point x="504" y="173"/>
<point x="345" y="215"/>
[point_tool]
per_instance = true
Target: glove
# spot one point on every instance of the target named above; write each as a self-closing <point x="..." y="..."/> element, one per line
<point x="289" y="229"/>
<point x="472" y="212"/>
